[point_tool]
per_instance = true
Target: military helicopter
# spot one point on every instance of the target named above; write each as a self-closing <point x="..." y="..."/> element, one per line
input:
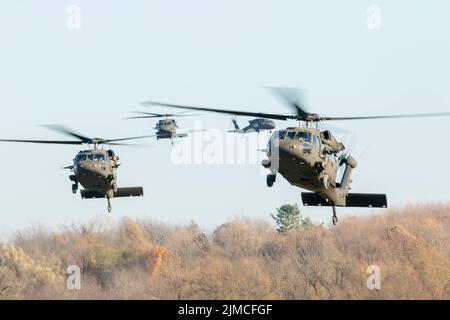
<point x="310" y="158"/>
<point x="95" y="168"/>
<point x="165" y="128"/>
<point x="254" y="125"/>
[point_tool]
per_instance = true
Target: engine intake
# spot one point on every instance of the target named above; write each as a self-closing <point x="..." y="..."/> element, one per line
<point x="329" y="140"/>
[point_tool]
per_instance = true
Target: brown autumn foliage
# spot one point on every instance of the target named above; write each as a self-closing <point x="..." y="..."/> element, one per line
<point x="241" y="259"/>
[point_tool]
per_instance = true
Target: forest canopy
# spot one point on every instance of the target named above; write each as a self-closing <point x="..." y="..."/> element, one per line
<point x="240" y="259"/>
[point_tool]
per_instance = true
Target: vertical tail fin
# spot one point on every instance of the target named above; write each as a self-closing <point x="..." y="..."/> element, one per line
<point x="236" y="126"/>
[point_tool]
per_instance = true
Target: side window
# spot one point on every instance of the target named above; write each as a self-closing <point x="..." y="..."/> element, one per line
<point x="80" y="157"/>
<point x="315" y="140"/>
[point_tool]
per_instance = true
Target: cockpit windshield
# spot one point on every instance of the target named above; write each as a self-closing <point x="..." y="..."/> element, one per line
<point x="298" y="135"/>
<point x="305" y="136"/>
<point x="90" y="157"/>
<point x="99" y="157"/>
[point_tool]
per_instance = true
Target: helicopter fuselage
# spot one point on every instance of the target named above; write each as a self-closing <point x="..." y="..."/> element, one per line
<point x="254" y="125"/>
<point x="166" y="129"/>
<point x="304" y="160"/>
<point x="260" y="124"/>
<point x="95" y="170"/>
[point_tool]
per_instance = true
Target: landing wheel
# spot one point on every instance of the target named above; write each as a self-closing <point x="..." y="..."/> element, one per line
<point x="109" y="205"/>
<point x="335" y="218"/>
<point x="270" y="180"/>
<point x="74" y="188"/>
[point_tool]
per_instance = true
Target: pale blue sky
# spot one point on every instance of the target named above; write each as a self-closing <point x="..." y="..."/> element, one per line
<point x="217" y="53"/>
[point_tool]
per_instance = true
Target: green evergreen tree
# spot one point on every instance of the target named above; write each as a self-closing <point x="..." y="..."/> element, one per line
<point x="288" y="217"/>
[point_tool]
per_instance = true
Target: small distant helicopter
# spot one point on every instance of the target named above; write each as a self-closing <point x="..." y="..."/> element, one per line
<point x="310" y="158"/>
<point x="166" y="128"/>
<point x="95" y="169"/>
<point x="254" y="125"/>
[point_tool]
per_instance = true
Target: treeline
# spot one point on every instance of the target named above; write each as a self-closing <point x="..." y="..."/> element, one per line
<point x="241" y="259"/>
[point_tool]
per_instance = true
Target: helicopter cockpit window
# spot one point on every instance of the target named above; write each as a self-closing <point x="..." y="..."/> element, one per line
<point x="291" y="135"/>
<point x="305" y="136"/>
<point x="99" y="157"/>
<point x="89" y="157"/>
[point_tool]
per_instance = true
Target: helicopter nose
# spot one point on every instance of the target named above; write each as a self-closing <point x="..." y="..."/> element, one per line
<point x="295" y="149"/>
<point x="89" y="168"/>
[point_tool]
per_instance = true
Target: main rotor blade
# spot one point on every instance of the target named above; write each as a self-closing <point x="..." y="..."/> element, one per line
<point x="187" y="115"/>
<point x="224" y="111"/>
<point x="149" y="115"/>
<point x="143" y="117"/>
<point x="178" y="114"/>
<point x="293" y="97"/>
<point x="67" y="131"/>
<point x="108" y="141"/>
<point x="120" y="144"/>
<point x="133" y="145"/>
<point x="43" y="141"/>
<point x="395" y="116"/>
<point x="182" y="112"/>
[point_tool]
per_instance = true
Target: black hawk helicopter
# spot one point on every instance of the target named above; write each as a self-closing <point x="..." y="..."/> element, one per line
<point x="95" y="168"/>
<point x="310" y="158"/>
<point x="254" y="125"/>
<point x="166" y="128"/>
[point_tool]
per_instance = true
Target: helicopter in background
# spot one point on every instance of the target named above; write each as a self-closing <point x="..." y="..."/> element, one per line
<point x="166" y="128"/>
<point x="310" y="158"/>
<point x="254" y="125"/>
<point x="95" y="169"/>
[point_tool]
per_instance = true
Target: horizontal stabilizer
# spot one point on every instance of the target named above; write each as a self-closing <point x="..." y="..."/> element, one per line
<point x="86" y="194"/>
<point x="371" y="200"/>
<point x="362" y="200"/>
<point x="121" y="192"/>
<point x="129" y="192"/>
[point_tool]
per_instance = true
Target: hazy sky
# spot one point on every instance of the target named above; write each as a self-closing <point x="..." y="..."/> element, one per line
<point x="219" y="54"/>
